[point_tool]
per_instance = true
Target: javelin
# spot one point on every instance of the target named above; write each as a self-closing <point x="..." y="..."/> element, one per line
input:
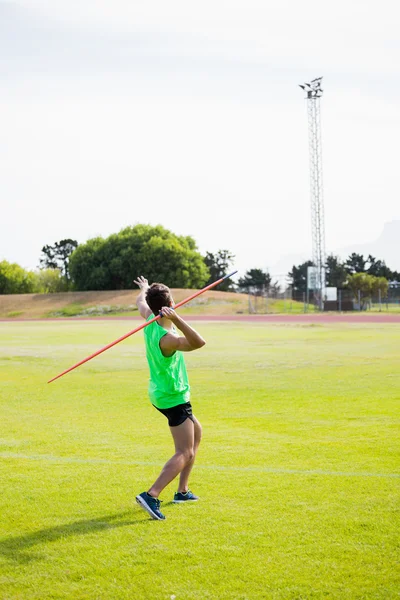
<point x="208" y="287"/>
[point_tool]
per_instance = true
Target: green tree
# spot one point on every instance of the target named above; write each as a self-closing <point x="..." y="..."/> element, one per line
<point x="380" y="284"/>
<point x="15" y="280"/>
<point x="298" y="276"/>
<point x="364" y="286"/>
<point x="87" y="270"/>
<point x="335" y="272"/>
<point x="356" y="263"/>
<point x="155" y="252"/>
<point x="395" y="276"/>
<point x="378" y="268"/>
<point x="49" y="281"/>
<point x="58" y="255"/>
<point x="255" y="281"/>
<point x="219" y="265"/>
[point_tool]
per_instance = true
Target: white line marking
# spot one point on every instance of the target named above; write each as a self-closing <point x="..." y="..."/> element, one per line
<point x="251" y="469"/>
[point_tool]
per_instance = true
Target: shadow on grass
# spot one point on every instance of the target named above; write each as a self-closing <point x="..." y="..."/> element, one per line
<point x="14" y="548"/>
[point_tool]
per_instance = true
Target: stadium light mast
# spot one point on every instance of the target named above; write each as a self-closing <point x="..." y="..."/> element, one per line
<point x="313" y="94"/>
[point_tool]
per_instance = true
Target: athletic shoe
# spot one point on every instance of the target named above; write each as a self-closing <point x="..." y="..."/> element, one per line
<point x="151" y="505"/>
<point x="179" y="497"/>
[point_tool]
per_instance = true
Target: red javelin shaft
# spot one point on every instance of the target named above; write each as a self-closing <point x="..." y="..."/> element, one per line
<point x="208" y="287"/>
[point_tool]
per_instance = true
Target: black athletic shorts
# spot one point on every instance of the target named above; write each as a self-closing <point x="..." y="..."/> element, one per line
<point x="177" y="414"/>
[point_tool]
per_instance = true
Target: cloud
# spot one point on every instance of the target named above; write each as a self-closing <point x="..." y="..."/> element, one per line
<point x="345" y="37"/>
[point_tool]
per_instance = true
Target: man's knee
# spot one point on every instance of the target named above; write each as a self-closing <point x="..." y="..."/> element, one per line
<point x="187" y="454"/>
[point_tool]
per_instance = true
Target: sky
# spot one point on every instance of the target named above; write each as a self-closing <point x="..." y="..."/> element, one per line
<point x="189" y="115"/>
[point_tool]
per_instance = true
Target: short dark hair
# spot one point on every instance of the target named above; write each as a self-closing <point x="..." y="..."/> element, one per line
<point x="157" y="296"/>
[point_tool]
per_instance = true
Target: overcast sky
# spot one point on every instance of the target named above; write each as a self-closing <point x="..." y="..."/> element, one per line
<point x="189" y="114"/>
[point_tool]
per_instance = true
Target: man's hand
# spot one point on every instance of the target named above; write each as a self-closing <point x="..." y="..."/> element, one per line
<point x="170" y="343"/>
<point x="169" y="313"/>
<point x="141" y="282"/>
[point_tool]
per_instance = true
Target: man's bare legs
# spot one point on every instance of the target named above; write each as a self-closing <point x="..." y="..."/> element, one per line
<point x="184" y="439"/>
<point x="184" y="477"/>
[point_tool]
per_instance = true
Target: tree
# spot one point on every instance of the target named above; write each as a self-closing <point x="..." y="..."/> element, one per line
<point x="380" y="285"/>
<point x="364" y="286"/>
<point x="394" y="284"/>
<point x="155" y="252"/>
<point x="86" y="266"/>
<point x="298" y="276"/>
<point x="219" y="264"/>
<point x="356" y="263"/>
<point x="255" y="281"/>
<point x="378" y="268"/>
<point x="50" y="281"/>
<point x="335" y="272"/>
<point x="15" y="280"/>
<point x="58" y="255"/>
<point x="395" y="276"/>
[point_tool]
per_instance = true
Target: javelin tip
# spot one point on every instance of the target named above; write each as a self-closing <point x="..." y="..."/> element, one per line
<point x="230" y="275"/>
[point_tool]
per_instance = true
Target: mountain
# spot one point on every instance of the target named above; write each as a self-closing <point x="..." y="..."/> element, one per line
<point x="386" y="247"/>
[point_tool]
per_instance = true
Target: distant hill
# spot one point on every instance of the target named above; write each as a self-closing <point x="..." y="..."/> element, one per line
<point x="386" y="247"/>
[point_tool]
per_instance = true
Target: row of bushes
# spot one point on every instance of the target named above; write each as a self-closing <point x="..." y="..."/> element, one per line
<point x="16" y="280"/>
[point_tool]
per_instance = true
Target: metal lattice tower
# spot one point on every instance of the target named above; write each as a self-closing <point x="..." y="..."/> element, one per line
<point x="314" y="93"/>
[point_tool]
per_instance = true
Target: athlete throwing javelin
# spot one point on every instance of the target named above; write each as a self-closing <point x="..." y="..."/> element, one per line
<point x="169" y="389"/>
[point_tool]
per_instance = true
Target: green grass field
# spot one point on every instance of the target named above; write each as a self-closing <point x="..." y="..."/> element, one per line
<point x="298" y="473"/>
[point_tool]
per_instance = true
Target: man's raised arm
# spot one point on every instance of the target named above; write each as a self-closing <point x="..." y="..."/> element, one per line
<point x="141" y="303"/>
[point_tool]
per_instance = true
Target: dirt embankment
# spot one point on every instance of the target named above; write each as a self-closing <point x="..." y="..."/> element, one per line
<point x="113" y="302"/>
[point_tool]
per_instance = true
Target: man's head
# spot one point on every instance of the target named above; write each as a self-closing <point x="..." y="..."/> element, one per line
<point x="157" y="296"/>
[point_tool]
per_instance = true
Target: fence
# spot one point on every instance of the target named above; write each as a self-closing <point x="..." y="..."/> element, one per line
<point x="291" y="301"/>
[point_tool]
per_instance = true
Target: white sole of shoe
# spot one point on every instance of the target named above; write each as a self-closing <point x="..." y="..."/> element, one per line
<point x="147" y="508"/>
<point x="184" y="501"/>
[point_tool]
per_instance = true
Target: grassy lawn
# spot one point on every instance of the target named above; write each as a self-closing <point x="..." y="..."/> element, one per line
<point x="298" y="473"/>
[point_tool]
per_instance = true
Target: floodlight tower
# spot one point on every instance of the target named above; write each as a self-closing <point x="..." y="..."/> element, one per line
<point x="314" y="93"/>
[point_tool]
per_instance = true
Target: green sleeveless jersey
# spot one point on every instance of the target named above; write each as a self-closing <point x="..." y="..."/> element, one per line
<point x="169" y="383"/>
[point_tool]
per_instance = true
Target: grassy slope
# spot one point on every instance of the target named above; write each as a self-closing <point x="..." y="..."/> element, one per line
<point x="122" y="302"/>
<point x="119" y="302"/>
<point x="298" y="473"/>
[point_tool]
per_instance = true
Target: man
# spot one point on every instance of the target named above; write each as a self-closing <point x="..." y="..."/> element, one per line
<point x="169" y="389"/>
